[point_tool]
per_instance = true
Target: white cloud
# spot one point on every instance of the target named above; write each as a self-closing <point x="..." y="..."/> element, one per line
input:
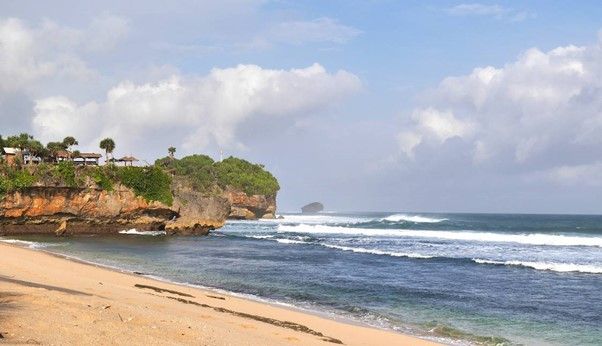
<point x="486" y="10"/>
<point x="543" y="109"/>
<point x="30" y="55"/>
<point x="320" y="30"/>
<point x="205" y="110"/>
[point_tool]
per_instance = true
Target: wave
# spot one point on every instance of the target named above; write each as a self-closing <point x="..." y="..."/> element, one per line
<point x="528" y="239"/>
<point x="376" y="251"/>
<point x="411" y="218"/>
<point x="291" y="241"/>
<point x="259" y="236"/>
<point x="29" y="244"/>
<point x="133" y="231"/>
<point x="557" y="267"/>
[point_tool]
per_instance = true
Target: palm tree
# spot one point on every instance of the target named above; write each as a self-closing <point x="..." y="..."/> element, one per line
<point x="172" y="151"/>
<point x="68" y="142"/>
<point x="108" y="145"/>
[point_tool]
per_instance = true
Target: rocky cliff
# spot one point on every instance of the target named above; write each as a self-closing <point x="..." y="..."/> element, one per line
<point x="67" y="210"/>
<point x="249" y="207"/>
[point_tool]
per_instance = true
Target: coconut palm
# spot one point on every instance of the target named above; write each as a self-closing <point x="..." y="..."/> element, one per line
<point x="172" y="152"/>
<point x="108" y="145"/>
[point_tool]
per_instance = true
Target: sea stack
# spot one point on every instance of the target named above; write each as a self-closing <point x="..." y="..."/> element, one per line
<point x="312" y="208"/>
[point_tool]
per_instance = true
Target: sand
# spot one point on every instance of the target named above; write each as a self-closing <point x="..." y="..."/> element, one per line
<point x="46" y="299"/>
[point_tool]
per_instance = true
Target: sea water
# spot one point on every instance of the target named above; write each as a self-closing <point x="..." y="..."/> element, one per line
<point x="454" y="278"/>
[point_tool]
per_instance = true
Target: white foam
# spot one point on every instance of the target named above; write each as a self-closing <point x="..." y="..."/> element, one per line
<point x="529" y="239"/>
<point x="557" y="267"/>
<point x="260" y="236"/>
<point x="411" y="218"/>
<point x="29" y="244"/>
<point x="134" y="231"/>
<point x="376" y="251"/>
<point x="291" y="241"/>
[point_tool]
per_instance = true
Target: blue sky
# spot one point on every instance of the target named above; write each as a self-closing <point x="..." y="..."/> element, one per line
<point x="364" y="105"/>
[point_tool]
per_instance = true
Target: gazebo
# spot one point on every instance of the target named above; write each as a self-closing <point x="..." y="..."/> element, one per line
<point x="87" y="159"/>
<point x="128" y="159"/>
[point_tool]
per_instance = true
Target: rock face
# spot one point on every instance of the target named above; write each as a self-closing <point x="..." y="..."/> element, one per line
<point x="312" y="208"/>
<point x="91" y="210"/>
<point x="65" y="210"/>
<point x="245" y="207"/>
<point x="198" y="214"/>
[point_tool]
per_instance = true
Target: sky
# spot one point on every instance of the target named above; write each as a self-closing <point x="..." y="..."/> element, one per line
<point x="417" y="106"/>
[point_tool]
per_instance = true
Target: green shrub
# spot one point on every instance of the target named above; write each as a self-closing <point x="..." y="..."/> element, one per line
<point x="152" y="183"/>
<point x="101" y="178"/>
<point x="251" y="178"/>
<point x="65" y="171"/>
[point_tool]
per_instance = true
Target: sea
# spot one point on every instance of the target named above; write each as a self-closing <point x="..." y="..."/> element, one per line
<point x="460" y="279"/>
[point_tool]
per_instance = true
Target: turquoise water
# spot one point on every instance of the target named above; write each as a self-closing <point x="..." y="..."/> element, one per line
<point x="457" y="278"/>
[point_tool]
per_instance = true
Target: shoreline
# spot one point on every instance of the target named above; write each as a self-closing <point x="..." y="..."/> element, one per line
<point x="241" y="319"/>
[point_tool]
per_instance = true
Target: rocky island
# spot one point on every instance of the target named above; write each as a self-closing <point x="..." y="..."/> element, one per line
<point x="312" y="208"/>
<point x="42" y="194"/>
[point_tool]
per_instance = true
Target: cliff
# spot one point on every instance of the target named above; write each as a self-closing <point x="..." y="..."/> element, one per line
<point x="67" y="210"/>
<point x="189" y="196"/>
<point x="249" y="207"/>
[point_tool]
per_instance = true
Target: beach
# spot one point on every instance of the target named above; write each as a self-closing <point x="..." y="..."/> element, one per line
<point x="48" y="299"/>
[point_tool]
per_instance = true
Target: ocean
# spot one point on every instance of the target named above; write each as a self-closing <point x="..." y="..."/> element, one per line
<point x="455" y="278"/>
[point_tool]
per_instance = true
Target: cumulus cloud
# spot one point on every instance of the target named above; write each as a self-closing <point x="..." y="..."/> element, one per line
<point x="31" y="54"/>
<point x="195" y="112"/>
<point x="544" y="110"/>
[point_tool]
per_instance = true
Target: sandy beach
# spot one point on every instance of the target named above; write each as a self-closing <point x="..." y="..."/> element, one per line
<point x="46" y="299"/>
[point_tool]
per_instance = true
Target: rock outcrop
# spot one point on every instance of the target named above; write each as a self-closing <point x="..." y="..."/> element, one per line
<point x="312" y="208"/>
<point x="66" y="210"/>
<point x="91" y="210"/>
<point x="245" y="207"/>
<point x="198" y="213"/>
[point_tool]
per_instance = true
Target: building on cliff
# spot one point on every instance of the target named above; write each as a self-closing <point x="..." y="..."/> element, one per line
<point x="10" y="155"/>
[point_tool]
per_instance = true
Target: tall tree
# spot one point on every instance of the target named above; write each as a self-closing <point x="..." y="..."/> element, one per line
<point x="108" y="145"/>
<point x="68" y="142"/>
<point x="172" y="151"/>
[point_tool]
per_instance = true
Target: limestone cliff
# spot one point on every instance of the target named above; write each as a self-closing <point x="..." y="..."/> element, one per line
<point x="249" y="207"/>
<point x="67" y="210"/>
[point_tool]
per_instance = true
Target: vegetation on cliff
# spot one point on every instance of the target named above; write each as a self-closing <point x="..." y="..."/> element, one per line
<point x="154" y="183"/>
<point x="209" y="176"/>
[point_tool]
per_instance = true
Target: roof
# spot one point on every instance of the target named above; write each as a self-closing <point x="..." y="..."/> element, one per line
<point x="62" y="154"/>
<point x="128" y="159"/>
<point x="10" y="151"/>
<point x="90" y="155"/>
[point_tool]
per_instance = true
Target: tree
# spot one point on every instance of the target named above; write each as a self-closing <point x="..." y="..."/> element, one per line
<point x="54" y="148"/>
<point x="172" y="152"/>
<point x="68" y="142"/>
<point x="36" y="149"/>
<point x="108" y="145"/>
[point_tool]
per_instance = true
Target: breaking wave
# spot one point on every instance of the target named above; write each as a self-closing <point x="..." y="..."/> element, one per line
<point x="528" y="239"/>
<point x="411" y="218"/>
<point x="556" y="267"/>
<point x="376" y="251"/>
<point x="133" y="231"/>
